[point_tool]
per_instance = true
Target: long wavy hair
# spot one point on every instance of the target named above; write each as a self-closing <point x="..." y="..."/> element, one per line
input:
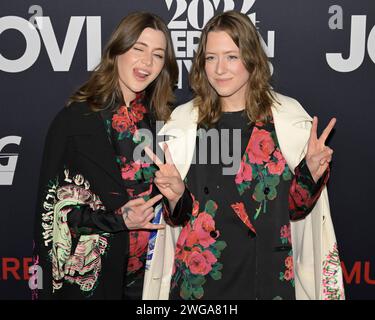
<point x="102" y="89"/>
<point x="259" y="98"/>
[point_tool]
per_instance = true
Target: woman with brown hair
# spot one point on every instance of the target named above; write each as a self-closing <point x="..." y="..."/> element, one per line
<point x="259" y="225"/>
<point x="96" y="201"/>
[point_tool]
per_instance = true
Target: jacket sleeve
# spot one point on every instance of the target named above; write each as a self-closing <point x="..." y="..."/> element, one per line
<point x="182" y="211"/>
<point x="84" y="220"/>
<point x="43" y="231"/>
<point x="304" y="192"/>
<point x="56" y="199"/>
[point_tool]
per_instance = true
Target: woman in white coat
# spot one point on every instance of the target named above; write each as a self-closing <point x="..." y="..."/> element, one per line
<point x="257" y="220"/>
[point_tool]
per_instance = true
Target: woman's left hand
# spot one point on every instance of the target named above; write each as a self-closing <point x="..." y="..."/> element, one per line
<point x="318" y="155"/>
<point x="167" y="179"/>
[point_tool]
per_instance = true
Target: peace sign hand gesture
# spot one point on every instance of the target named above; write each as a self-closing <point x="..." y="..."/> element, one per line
<point x="167" y="178"/>
<point x="318" y="155"/>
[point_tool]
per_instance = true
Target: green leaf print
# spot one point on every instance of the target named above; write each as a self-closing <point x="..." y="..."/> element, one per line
<point x="197" y="280"/>
<point x="138" y="175"/>
<point x="186" y="290"/>
<point x="254" y="171"/>
<point x="121" y="136"/>
<point x="281" y="276"/>
<point x="259" y="192"/>
<point x="215" y="252"/>
<point x="198" y="292"/>
<point x="243" y="187"/>
<point x="217" y="266"/>
<point x="257" y="212"/>
<point x="148" y="172"/>
<point x="287" y="175"/>
<point x="220" y="245"/>
<point x="272" y="194"/>
<point x="210" y="208"/>
<point x="272" y="180"/>
<point x="216" y="275"/>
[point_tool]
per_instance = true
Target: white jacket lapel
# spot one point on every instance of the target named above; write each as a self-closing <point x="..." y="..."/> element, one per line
<point x="181" y="129"/>
<point x="292" y="125"/>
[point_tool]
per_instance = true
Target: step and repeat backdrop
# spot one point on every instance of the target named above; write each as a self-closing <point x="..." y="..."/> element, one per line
<point x="322" y="53"/>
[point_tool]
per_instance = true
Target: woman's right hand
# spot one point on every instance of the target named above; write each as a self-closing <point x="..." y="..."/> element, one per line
<point x="138" y="213"/>
<point x="167" y="178"/>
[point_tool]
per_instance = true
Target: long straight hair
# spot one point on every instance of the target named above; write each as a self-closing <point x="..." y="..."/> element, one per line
<point x="102" y="89"/>
<point x="259" y="99"/>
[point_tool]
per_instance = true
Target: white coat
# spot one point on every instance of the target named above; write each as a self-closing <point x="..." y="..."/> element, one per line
<point x="317" y="268"/>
